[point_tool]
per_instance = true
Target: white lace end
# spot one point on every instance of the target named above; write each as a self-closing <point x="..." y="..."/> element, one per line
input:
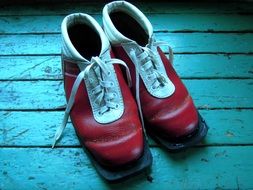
<point x="55" y="140"/>
<point x="57" y="136"/>
<point x="60" y="129"/>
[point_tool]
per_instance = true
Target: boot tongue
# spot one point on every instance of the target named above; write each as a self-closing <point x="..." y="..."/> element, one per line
<point x="151" y="40"/>
<point x="105" y="46"/>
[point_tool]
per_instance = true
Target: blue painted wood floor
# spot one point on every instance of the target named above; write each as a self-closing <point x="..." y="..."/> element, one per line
<point x="213" y="44"/>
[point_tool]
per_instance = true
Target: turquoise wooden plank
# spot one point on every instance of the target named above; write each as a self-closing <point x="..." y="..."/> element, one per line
<point x="38" y="128"/>
<point x="161" y="22"/>
<point x="202" y="23"/>
<point x="30" y="67"/>
<point x="187" y="66"/>
<point x="34" y="129"/>
<point x="214" y="66"/>
<point x="147" y="7"/>
<point x="198" y="168"/>
<point x="213" y="43"/>
<point x="181" y="42"/>
<point x="30" y="44"/>
<point x="49" y="94"/>
<point x="31" y="95"/>
<point x="220" y="93"/>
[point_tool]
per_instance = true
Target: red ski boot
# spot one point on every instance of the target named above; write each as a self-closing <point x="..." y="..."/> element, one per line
<point x="167" y="108"/>
<point x="100" y="104"/>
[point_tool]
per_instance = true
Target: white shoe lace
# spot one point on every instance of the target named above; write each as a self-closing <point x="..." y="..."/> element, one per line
<point x="104" y="98"/>
<point x="148" y="62"/>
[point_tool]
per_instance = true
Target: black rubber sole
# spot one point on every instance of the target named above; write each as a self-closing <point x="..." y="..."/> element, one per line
<point x="174" y="146"/>
<point x="124" y="172"/>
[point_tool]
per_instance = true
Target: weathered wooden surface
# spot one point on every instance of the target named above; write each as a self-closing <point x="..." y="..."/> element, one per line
<point x="226" y="127"/>
<point x="69" y="168"/>
<point x="162" y="22"/>
<point x="180" y="42"/>
<point x="213" y="43"/>
<point x="207" y="94"/>
<point x="150" y="7"/>
<point x="30" y="67"/>
<point x="187" y="66"/>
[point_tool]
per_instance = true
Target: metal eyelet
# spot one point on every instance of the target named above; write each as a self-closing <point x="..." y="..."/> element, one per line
<point x="117" y="106"/>
<point x="112" y="84"/>
<point x="108" y="73"/>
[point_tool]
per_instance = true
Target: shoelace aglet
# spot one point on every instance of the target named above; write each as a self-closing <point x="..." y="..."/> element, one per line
<point x="60" y="130"/>
<point x="54" y="142"/>
<point x="56" y="138"/>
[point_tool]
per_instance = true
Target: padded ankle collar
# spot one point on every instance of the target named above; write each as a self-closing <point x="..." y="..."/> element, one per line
<point x="113" y="34"/>
<point x="68" y="48"/>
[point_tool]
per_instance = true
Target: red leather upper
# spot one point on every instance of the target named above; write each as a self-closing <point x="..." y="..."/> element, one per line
<point x="112" y="144"/>
<point x="172" y="117"/>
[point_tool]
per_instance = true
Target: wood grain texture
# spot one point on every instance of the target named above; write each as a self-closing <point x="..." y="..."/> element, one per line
<point x="30" y="67"/>
<point x="187" y="66"/>
<point x="49" y="94"/>
<point x="161" y="22"/>
<point x="229" y="127"/>
<point x="206" y="37"/>
<point x="180" y="42"/>
<point x="205" y="168"/>
<point x="146" y="7"/>
<point x="31" y="95"/>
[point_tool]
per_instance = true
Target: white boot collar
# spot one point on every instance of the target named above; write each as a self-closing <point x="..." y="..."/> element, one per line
<point x="113" y="34"/>
<point x="68" y="48"/>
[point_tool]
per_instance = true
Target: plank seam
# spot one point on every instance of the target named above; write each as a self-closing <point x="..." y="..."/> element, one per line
<point x="176" y="53"/>
<point x="208" y="31"/>
<point x="184" y="78"/>
<point x="62" y="108"/>
<point x="152" y="146"/>
<point x="59" y="55"/>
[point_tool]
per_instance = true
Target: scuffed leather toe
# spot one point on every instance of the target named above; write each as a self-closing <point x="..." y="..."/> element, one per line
<point x="118" y="152"/>
<point x="175" y="123"/>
